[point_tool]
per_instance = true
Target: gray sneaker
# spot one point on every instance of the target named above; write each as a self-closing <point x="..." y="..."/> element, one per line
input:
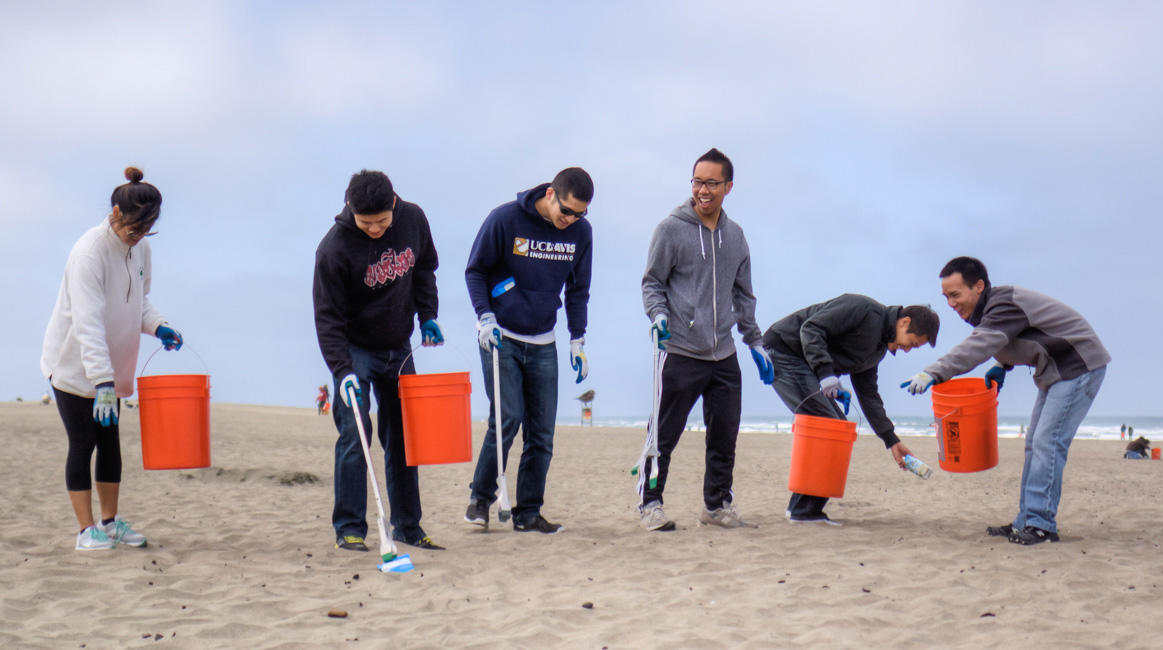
<point x="121" y="532"/>
<point x="653" y="518"/>
<point x="724" y="516"/>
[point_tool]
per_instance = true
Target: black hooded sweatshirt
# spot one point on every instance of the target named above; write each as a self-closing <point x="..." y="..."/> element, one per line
<point x="368" y="291"/>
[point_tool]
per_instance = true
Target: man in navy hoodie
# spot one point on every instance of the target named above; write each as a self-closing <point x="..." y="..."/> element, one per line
<point x="526" y="252"/>
<point x="375" y="272"/>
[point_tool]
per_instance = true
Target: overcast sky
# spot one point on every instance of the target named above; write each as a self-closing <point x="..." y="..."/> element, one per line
<point x="872" y="142"/>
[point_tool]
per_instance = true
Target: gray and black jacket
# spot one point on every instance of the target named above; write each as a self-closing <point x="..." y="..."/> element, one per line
<point x="701" y="281"/>
<point x="847" y="335"/>
<point x="1019" y="327"/>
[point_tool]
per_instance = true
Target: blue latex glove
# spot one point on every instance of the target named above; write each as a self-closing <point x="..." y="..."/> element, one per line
<point x="763" y="362"/>
<point x="488" y="332"/>
<point x="659" y="325"/>
<point x="577" y="358"/>
<point x="845" y="399"/>
<point x="352" y="381"/>
<point x="430" y="334"/>
<point x="996" y="374"/>
<point x="918" y="383"/>
<point x="105" y="405"/>
<point x="171" y="340"/>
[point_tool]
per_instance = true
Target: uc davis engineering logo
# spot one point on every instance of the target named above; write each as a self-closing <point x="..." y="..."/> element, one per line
<point x="520" y="246"/>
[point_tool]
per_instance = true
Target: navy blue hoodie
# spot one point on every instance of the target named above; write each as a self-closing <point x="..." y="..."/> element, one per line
<point x="516" y="242"/>
<point x="368" y="291"/>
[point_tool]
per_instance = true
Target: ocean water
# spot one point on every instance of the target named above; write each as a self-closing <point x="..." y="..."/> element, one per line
<point x="1095" y="428"/>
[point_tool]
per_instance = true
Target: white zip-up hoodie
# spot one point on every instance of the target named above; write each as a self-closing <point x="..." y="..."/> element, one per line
<point x="102" y="309"/>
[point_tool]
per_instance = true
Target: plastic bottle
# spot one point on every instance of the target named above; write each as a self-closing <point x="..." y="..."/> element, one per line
<point x="917" y="466"/>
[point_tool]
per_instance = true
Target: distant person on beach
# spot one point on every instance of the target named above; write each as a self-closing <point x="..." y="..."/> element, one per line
<point x="90" y="352"/>
<point x="1138" y="449"/>
<point x="696" y="287"/>
<point x="526" y="253"/>
<point x="1016" y="326"/>
<point x="847" y="335"/>
<point x="322" y="399"/>
<point x="375" y="276"/>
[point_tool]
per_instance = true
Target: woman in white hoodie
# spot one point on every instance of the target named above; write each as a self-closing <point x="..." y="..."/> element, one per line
<point x="90" y="352"/>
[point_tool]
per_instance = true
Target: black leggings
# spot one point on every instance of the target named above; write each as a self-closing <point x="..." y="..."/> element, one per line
<point x="85" y="434"/>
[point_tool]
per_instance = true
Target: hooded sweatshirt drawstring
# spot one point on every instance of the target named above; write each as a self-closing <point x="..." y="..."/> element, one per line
<point x="701" y="249"/>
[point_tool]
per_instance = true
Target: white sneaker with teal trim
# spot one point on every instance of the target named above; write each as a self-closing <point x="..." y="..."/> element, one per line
<point x="93" y="539"/>
<point x="121" y="532"/>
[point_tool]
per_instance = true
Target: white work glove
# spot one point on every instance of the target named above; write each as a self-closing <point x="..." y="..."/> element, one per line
<point x="918" y="383"/>
<point x="830" y="386"/>
<point x="577" y="358"/>
<point x="352" y="381"/>
<point x="488" y="332"/>
<point x="105" y="405"/>
<point x="660" y="325"/>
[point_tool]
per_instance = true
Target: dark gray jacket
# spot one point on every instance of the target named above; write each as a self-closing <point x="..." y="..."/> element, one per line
<point x="1019" y="327"/>
<point x="701" y="281"/>
<point x="847" y="335"/>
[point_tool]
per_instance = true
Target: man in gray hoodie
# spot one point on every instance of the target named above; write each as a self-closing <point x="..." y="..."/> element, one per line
<point x="697" y="286"/>
<point x="1017" y="326"/>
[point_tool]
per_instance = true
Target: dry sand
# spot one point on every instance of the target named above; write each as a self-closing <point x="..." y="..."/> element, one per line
<point x="237" y="559"/>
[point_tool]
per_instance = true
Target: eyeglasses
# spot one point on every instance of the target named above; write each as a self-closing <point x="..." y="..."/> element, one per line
<point x="710" y="185"/>
<point x="134" y="234"/>
<point x="568" y="212"/>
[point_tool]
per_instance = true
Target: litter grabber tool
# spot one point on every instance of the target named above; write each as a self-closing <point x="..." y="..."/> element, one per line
<point x="504" y="511"/>
<point x="391" y="562"/>
<point x="650" y="448"/>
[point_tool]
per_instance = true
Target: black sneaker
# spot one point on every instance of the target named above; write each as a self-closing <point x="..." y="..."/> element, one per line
<point x="1000" y="531"/>
<point x="351" y="543"/>
<point x="539" y="524"/>
<point x="477" y="513"/>
<point x="1032" y="535"/>
<point x="424" y="542"/>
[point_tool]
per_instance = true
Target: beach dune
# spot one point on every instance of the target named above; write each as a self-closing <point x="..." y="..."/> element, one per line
<point x="241" y="554"/>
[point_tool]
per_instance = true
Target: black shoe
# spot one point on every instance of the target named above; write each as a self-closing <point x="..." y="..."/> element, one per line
<point x="1000" y="531"/>
<point x="477" y="513"/>
<point x="1032" y="535"/>
<point x="424" y="542"/>
<point x="351" y="543"/>
<point x="539" y="524"/>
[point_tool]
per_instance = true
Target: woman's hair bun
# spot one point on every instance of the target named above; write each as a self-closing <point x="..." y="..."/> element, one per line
<point x="133" y="174"/>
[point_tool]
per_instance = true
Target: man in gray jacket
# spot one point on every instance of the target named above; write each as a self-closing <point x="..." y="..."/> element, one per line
<point x="1017" y="326"/>
<point x="847" y="335"/>
<point x="697" y="286"/>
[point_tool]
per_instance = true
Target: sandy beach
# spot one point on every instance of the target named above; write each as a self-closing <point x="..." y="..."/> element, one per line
<point x="240" y="556"/>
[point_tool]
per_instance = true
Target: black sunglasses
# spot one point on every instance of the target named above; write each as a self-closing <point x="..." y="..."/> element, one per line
<point x="568" y="212"/>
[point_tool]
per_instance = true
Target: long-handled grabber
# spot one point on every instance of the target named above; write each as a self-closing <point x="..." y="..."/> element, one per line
<point x="392" y="563"/>
<point x="505" y="510"/>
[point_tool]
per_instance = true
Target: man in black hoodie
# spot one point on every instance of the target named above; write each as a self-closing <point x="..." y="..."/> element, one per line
<point x="375" y="271"/>
<point x="847" y="335"/>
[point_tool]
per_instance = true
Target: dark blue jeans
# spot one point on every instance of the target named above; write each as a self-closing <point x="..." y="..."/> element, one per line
<point x="794" y="382"/>
<point x="528" y="402"/>
<point x="378" y="370"/>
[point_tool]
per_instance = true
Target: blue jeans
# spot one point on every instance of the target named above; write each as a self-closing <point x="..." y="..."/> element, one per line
<point x="528" y="402"/>
<point x="1057" y="413"/>
<point x="378" y="370"/>
<point x="794" y="382"/>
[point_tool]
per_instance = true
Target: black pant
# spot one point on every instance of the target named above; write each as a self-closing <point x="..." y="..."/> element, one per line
<point x="719" y="383"/>
<point x="85" y="435"/>
<point x="797" y="386"/>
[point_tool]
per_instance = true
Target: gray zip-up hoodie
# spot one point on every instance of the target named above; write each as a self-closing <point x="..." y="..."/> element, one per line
<point x="701" y="281"/>
<point x="1019" y="327"/>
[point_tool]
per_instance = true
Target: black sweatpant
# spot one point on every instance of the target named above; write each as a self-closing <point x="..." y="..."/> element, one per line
<point x="85" y="435"/>
<point x="720" y="384"/>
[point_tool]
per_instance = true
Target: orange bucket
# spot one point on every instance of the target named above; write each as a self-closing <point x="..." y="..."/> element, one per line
<point x="437" y="420"/>
<point x="966" y="415"/>
<point x="820" y="452"/>
<point x="175" y="421"/>
<point x="1155" y="453"/>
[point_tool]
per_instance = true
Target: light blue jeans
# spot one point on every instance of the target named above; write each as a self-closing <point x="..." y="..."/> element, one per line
<point x="1057" y="414"/>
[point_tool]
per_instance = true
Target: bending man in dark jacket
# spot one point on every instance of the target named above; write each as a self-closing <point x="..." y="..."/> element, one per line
<point x="1017" y="326"/>
<point x="375" y="271"/>
<point x="847" y="335"/>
